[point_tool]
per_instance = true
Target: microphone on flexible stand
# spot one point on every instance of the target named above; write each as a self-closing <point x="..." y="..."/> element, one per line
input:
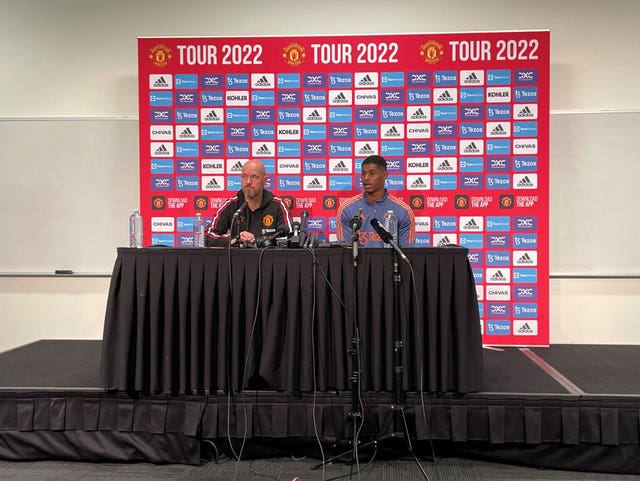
<point x="294" y="240"/>
<point x="387" y="238"/>
<point x="237" y="213"/>
<point x="304" y="217"/>
<point x="234" y="221"/>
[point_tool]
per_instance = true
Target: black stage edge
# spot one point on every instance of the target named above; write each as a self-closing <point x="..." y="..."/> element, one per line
<point x="564" y="407"/>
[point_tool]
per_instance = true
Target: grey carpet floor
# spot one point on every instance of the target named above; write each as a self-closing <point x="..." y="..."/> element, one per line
<point x="287" y="469"/>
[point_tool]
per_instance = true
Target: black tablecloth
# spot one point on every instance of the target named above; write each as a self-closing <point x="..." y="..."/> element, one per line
<point x="177" y="321"/>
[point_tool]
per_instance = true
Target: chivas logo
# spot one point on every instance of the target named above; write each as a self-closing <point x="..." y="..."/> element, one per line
<point x="160" y="55"/>
<point x="294" y="54"/>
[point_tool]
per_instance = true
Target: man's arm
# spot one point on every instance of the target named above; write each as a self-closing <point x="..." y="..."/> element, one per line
<point x="284" y="220"/>
<point x="219" y="226"/>
<point x="406" y="223"/>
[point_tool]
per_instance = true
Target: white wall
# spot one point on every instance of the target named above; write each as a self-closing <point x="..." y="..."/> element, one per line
<point x="78" y="58"/>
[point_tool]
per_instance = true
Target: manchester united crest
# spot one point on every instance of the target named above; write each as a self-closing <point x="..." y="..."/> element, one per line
<point x="267" y="220"/>
<point x="160" y="55"/>
<point x="431" y="52"/>
<point x="294" y="54"/>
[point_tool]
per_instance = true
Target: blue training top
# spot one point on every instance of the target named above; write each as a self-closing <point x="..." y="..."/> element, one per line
<point x="368" y="237"/>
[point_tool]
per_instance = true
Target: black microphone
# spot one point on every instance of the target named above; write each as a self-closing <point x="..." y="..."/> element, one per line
<point x="237" y="213"/>
<point x="269" y="240"/>
<point x="303" y="220"/>
<point x="294" y="240"/>
<point x="387" y="238"/>
<point x="280" y="232"/>
<point x="355" y="223"/>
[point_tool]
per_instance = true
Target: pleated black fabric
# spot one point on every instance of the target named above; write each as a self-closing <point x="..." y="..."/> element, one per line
<point x="181" y="321"/>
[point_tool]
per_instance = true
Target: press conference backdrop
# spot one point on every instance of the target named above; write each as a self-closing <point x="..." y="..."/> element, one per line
<point x="68" y="186"/>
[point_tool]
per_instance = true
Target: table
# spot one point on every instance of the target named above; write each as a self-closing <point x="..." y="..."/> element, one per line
<point x="211" y="319"/>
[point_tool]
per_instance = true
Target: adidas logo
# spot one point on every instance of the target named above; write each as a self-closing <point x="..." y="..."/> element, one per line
<point x="525" y="329"/>
<point x="186" y="134"/>
<point x="471" y="225"/>
<point x="419" y="115"/>
<point x="472" y="79"/>
<point x="525" y="182"/>
<point x="162" y="150"/>
<point x="445" y="166"/>
<point x="341" y="98"/>
<point x="212" y="185"/>
<point x="418" y="184"/>
<point x="525" y="259"/>
<point x="366" y="81"/>
<point x="340" y="167"/>
<point x="212" y="117"/>
<point x="498" y="277"/>
<point x="314" y="184"/>
<point x="315" y="115"/>
<point x="237" y="167"/>
<point x="472" y="148"/>
<point x="525" y="113"/>
<point x="366" y="150"/>
<point x="264" y="150"/>
<point x="499" y="130"/>
<point x="392" y="132"/>
<point x="263" y="82"/>
<point x="160" y="83"/>
<point x="445" y="97"/>
<point x="445" y="241"/>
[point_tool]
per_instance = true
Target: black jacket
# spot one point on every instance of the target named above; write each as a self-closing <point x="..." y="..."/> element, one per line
<point x="262" y="222"/>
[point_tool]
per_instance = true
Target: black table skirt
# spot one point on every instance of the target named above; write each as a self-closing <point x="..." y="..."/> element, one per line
<point x="177" y="321"/>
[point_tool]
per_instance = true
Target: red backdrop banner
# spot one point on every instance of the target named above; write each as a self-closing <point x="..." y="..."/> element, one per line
<point x="462" y="119"/>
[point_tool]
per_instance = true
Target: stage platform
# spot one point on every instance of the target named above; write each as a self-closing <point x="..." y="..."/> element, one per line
<point x="565" y="407"/>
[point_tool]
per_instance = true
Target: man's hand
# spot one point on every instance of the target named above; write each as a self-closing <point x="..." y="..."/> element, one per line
<point x="247" y="236"/>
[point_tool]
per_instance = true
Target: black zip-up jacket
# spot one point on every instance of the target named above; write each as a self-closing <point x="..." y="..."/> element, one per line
<point x="262" y="222"/>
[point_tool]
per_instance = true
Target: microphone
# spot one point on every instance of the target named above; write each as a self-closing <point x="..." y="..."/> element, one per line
<point x="280" y="232"/>
<point x="387" y="238"/>
<point x="269" y="240"/>
<point x="237" y="213"/>
<point x="355" y="223"/>
<point x="294" y="240"/>
<point x="303" y="220"/>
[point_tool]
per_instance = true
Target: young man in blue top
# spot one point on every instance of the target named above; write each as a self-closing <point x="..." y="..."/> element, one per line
<point x="373" y="203"/>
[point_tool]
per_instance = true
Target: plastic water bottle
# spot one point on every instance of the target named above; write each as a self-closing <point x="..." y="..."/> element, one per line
<point x="135" y="229"/>
<point x="391" y="225"/>
<point x="198" y="231"/>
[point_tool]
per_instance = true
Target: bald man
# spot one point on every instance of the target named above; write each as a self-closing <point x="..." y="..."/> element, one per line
<point x="255" y="213"/>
